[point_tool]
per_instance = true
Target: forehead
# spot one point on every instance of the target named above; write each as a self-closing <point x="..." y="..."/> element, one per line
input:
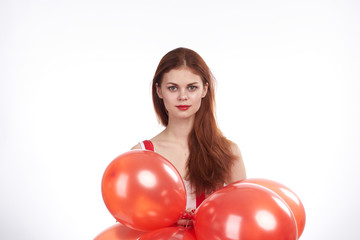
<point x="181" y="76"/>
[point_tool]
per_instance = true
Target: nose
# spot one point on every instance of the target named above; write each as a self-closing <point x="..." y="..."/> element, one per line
<point x="183" y="95"/>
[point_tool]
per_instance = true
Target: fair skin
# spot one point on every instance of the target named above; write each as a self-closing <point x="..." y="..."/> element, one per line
<point x="181" y="87"/>
<point x="182" y="92"/>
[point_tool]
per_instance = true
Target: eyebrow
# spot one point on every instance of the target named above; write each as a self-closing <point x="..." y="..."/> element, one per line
<point x="193" y="83"/>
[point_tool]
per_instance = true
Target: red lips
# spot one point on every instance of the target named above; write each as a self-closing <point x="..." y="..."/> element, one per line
<point x="183" y="107"/>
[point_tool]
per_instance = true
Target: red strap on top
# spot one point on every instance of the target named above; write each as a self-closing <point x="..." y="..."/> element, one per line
<point x="148" y="145"/>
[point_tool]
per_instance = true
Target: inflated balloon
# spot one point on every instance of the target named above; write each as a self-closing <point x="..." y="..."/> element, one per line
<point x="143" y="190"/>
<point x="291" y="199"/>
<point x="170" y="233"/>
<point x="119" y="232"/>
<point x="244" y="211"/>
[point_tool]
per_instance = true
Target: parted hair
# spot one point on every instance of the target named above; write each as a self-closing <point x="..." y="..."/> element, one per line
<point x="211" y="156"/>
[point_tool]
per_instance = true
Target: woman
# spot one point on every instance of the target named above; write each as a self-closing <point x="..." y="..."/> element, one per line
<point x="183" y="97"/>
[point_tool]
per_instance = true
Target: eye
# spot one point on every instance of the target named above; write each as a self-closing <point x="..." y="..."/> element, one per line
<point x="192" y="88"/>
<point x="172" y="88"/>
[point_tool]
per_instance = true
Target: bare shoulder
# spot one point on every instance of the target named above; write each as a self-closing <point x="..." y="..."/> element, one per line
<point x="238" y="171"/>
<point x="235" y="149"/>
<point x="154" y="140"/>
<point x="137" y="146"/>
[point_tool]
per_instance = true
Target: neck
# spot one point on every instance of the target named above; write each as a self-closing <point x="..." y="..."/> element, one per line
<point x="179" y="129"/>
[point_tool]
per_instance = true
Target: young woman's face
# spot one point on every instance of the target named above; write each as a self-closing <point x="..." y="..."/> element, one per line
<point x="181" y="91"/>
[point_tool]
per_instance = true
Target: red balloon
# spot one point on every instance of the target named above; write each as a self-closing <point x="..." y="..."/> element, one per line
<point x="291" y="199"/>
<point x="244" y="211"/>
<point x="119" y="232"/>
<point x="143" y="190"/>
<point x="174" y="233"/>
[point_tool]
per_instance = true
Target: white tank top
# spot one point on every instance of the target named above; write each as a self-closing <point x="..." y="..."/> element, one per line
<point x="190" y="195"/>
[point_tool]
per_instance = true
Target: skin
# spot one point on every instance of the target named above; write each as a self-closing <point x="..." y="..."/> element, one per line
<point x="183" y="87"/>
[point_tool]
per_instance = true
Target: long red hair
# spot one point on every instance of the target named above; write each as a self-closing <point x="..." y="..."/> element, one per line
<point x="211" y="156"/>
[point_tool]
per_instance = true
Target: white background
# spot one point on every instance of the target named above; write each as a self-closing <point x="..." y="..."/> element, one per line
<point x="75" y="93"/>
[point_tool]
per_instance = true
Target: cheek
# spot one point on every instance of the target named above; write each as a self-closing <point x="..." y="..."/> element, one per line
<point x="196" y="100"/>
<point x="168" y="100"/>
<point x="197" y="97"/>
<point x="168" y="97"/>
